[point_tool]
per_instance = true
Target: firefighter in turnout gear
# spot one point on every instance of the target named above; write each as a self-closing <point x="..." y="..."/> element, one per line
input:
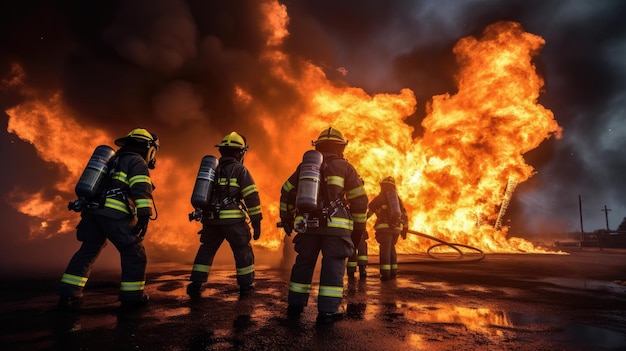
<point x="328" y="227"/>
<point x="235" y="198"/>
<point x="120" y="213"/>
<point x="359" y="257"/>
<point x="391" y="222"/>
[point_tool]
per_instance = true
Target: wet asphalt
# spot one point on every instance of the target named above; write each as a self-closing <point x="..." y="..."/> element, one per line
<point x="574" y="301"/>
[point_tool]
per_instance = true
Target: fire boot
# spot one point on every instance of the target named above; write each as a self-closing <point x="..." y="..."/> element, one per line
<point x="362" y="271"/>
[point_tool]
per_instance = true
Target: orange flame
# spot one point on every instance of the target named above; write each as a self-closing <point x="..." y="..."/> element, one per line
<point x="452" y="179"/>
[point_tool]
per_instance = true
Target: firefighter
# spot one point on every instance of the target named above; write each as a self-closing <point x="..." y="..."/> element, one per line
<point x="358" y="258"/>
<point x="339" y="214"/>
<point x="121" y="215"/>
<point x="391" y="222"/>
<point x="235" y="199"/>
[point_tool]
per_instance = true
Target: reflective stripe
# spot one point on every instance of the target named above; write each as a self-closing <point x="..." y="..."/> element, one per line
<point x="336" y="180"/>
<point x="245" y="270"/>
<point x="233" y="182"/>
<point x="385" y="267"/>
<point x="120" y="176"/>
<point x="356" y="192"/>
<point x="74" y="280"/>
<point x="254" y="210"/>
<point x="250" y="189"/>
<point x="139" y="179"/>
<point x="201" y="268"/>
<point x="116" y="205"/>
<point x="299" y="288"/>
<point x="336" y="222"/>
<point x="287" y="187"/>
<point x="359" y="217"/>
<point x="381" y="226"/>
<point x="283" y="207"/>
<point x="132" y="286"/>
<point x="351" y="264"/>
<point x="394" y="266"/>
<point x="362" y="258"/>
<point x="143" y="203"/>
<point x="229" y="214"/>
<point x="331" y="291"/>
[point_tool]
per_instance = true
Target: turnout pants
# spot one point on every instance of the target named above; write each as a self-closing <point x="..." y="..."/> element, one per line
<point x="359" y="257"/>
<point x="387" y="253"/>
<point x="335" y="250"/>
<point x="93" y="231"/>
<point x="238" y="236"/>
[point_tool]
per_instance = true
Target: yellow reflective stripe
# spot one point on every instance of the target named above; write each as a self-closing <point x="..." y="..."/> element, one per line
<point x="381" y="226"/>
<point x="283" y="207"/>
<point x="356" y="192"/>
<point x="143" y="203"/>
<point x="287" y="187"/>
<point x="359" y="217"/>
<point x="336" y="180"/>
<point x="299" y="288"/>
<point x="74" y="280"/>
<point x="250" y="189"/>
<point x="254" y="210"/>
<point x="385" y="267"/>
<point x="228" y="214"/>
<point x="394" y="266"/>
<point x="362" y="258"/>
<point x="120" y="176"/>
<point x="132" y="286"/>
<point x="142" y="178"/>
<point x="351" y="264"/>
<point x="201" y="268"/>
<point x="245" y="270"/>
<point x="117" y="205"/>
<point x="331" y="291"/>
<point x="336" y="222"/>
<point x="233" y="182"/>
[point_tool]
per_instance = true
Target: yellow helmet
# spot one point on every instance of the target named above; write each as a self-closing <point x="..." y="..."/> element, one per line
<point x="140" y="135"/>
<point x="233" y="140"/>
<point x="331" y="135"/>
<point x="388" y="181"/>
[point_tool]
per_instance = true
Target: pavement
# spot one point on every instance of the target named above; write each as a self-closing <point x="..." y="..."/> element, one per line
<point x="573" y="301"/>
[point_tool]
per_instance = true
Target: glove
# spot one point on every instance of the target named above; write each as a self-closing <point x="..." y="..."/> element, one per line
<point x="141" y="227"/>
<point x="287" y="225"/>
<point x="256" y="226"/>
<point x="357" y="236"/>
<point x="403" y="232"/>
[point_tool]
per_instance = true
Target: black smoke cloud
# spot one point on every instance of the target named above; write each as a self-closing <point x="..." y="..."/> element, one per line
<point x="171" y="65"/>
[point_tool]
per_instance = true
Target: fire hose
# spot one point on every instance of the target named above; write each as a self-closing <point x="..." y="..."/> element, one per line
<point x="456" y="247"/>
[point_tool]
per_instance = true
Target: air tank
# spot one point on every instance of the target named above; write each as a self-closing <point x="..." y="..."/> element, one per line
<point x="393" y="205"/>
<point x="94" y="173"/>
<point x="202" y="189"/>
<point x="309" y="181"/>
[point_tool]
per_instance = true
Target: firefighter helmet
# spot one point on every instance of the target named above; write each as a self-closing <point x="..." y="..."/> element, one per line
<point x="388" y="181"/>
<point x="330" y="135"/>
<point x="233" y="140"/>
<point x="139" y="135"/>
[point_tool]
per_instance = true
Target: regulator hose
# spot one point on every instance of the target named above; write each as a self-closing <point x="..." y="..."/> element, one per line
<point x="454" y="246"/>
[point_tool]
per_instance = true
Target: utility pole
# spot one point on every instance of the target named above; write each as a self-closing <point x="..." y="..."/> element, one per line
<point x="606" y="214"/>
<point x="580" y="209"/>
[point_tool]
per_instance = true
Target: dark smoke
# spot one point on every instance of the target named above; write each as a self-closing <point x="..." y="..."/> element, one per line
<point x="171" y="65"/>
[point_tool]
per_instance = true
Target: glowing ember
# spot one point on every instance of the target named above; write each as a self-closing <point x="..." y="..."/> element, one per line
<point x="452" y="178"/>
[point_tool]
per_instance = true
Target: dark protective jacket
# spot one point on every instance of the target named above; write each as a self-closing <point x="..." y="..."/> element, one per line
<point x="379" y="206"/>
<point x="235" y="193"/>
<point x="129" y="190"/>
<point x="344" y="200"/>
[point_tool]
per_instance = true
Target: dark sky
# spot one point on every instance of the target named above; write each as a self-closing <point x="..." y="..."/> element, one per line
<point x="122" y="63"/>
